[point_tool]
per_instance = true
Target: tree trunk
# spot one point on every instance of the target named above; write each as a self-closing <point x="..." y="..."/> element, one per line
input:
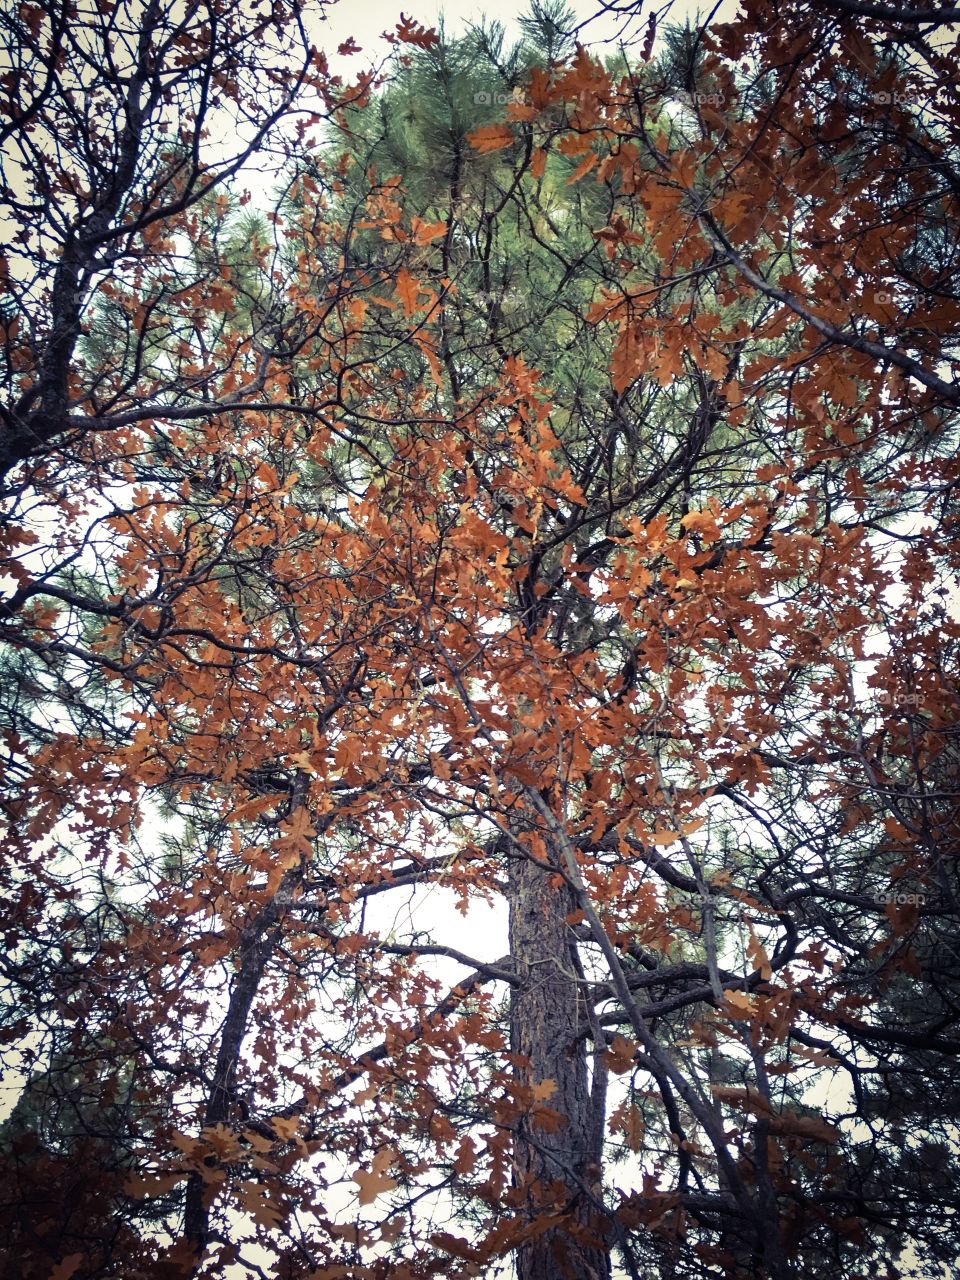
<point x="555" y="1168"/>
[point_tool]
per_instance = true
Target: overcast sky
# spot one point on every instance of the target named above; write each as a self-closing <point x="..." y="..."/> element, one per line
<point x="365" y="21"/>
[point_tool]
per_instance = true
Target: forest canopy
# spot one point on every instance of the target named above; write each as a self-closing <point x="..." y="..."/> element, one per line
<point x="478" y="644"/>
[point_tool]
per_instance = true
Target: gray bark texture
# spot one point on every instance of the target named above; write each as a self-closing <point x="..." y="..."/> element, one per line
<point x="556" y="1168"/>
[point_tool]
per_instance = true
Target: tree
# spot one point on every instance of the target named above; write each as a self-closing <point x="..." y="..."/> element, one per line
<point x="124" y="126"/>
<point x="548" y="503"/>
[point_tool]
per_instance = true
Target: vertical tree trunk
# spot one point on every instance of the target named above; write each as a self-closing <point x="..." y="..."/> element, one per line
<point x="554" y="1168"/>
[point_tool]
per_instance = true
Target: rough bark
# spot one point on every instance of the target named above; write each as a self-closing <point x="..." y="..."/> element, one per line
<point x="556" y="1169"/>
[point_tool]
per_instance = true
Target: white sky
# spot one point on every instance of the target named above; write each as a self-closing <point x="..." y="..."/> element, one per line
<point x="365" y="21"/>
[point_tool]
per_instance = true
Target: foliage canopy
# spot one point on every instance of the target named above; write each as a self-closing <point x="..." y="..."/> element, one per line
<point x="545" y="501"/>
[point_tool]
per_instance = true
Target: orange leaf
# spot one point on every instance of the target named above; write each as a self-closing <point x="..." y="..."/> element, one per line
<point x="806" y="1126"/>
<point x="739" y="1004"/>
<point x="375" y="1182"/>
<point x="758" y="956"/>
<point x="455" y="1245"/>
<point x="625" y="362"/>
<point x="663" y="837"/>
<point x="466" y="1157"/>
<point x="619" y="1057"/>
<point x="407" y="290"/>
<point x="66" y="1267"/>
<point x="411" y="32"/>
<point x="582" y="169"/>
<point x="491" y="137"/>
<point x="151" y="1184"/>
<point x="424" y="232"/>
<point x="285" y="1127"/>
<point x="543" y="1090"/>
<point x="627" y="1120"/>
<point x="896" y="829"/>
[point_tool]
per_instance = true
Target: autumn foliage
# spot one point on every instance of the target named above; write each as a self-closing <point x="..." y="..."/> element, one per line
<point x="565" y="526"/>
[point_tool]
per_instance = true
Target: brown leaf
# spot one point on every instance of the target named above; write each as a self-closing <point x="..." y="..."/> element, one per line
<point x="491" y="137"/>
<point x="375" y="1182"/>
